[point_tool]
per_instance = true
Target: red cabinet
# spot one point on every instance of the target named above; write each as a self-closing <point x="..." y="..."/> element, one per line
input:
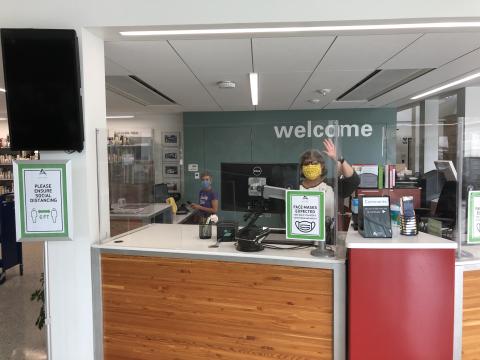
<point x="401" y="304"/>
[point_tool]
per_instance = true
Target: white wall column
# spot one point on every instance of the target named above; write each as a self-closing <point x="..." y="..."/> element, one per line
<point x="469" y="102"/>
<point x="429" y="138"/>
<point x="68" y="264"/>
<point x="416" y="137"/>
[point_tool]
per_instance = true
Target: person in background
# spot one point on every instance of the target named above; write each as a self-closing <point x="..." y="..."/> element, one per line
<point x="207" y="198"/>
<point x="314" y="171"/>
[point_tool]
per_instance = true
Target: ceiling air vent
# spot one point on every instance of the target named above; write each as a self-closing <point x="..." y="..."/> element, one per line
<point x="137" y="90"/>
<point x="381" y="82"/>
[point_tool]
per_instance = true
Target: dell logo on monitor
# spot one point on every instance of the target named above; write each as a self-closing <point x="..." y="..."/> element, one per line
<point x="257" y="171"/>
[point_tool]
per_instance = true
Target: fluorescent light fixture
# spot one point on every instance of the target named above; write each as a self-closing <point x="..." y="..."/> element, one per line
<point x="446" y="86"/>
<point x="3" y="118"/>
<point x="297" y="29"/>
<point x="120" y="116"/>
<point x="3" y="90"/>
<point x="254" y="88"/>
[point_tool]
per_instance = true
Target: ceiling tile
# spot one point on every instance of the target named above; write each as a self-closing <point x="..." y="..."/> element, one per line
<point x="114" y="69"/>
<point x="156" y="63"/>
<point x="239" y="108"/>
<point x="278" y="90"/>
<point x="198" y="108"/>
<point x="449" y="72"/>
<point x="337" y="81"/>
<point x="236" y="97"/>
<point x="216" y="56"/>
<point x="366" y="52"/>
<point x="291" y="54"/>
<point x="434" y="50"/>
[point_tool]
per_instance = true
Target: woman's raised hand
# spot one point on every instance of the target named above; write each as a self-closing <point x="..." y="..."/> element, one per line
<point x="330" y="150"/>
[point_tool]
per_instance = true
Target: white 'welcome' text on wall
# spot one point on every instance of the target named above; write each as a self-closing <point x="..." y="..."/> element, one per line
<point x="301" y="131"/>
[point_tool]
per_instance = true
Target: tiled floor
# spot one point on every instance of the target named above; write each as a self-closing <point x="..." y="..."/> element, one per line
<point x="20" y="339"/>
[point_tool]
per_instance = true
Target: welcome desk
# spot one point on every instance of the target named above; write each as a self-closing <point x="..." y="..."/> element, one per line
<point x="163" y="293"/>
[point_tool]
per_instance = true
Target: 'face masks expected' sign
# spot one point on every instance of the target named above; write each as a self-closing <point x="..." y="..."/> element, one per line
<point x="305" y="215"/>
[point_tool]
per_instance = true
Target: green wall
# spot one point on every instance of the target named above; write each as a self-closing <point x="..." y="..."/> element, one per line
<point x="211" y="138"/>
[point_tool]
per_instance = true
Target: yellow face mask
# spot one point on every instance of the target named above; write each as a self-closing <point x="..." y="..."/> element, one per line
<point x="312" y="172"/>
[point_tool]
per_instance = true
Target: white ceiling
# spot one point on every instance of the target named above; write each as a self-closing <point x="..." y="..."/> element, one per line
<point x="291" y="69"/>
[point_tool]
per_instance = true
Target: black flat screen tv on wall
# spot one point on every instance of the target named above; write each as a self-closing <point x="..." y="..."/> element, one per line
<point x="42" y="81"/>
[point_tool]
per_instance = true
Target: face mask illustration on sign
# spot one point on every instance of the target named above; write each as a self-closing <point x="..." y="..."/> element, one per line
<point x="305" y="226"/>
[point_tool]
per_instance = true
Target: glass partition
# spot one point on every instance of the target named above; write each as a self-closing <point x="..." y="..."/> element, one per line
<point x="431" y="165"/>
<point x="428" y="153"/>
<point x="135" y="197"/>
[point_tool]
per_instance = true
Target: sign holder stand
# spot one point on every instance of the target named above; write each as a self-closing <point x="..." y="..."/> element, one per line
<point x="322" y="251"/>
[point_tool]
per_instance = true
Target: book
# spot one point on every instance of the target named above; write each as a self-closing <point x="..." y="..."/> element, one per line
<point x="374" y="217"/>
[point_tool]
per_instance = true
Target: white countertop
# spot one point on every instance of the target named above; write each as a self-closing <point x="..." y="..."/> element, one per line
<point x="178" y="219"/>
<point x="473" y="255"/>
<point x="171" y="240"/>
<point x="148" y="211"/>
<point x="355" y="240"/>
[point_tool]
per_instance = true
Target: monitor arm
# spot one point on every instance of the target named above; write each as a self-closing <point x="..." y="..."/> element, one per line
<point x="265" y="192"/>
<point x="272" y="192"/>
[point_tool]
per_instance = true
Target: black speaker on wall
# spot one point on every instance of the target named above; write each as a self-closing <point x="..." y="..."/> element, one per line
<point x="42" y="81"/>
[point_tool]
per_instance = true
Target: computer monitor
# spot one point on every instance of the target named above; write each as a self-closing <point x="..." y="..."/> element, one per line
<point x="160" y="193"/>
<point x="431" y="183"/>
<point x="238" y="178"/>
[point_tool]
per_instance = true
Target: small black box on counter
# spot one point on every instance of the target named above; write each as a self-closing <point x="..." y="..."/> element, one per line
<point x="227" y="230"/>
<point x="374" y="217"/>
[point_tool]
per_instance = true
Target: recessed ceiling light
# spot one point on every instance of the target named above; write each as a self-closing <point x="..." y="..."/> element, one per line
<point x="3" y="90"/>
<point x="324" y="92"/>
<point x="254" y="88"/>
<point x="120" y="116"/>
<point x="292" y="29"/>
<point x="314" y="101"/>
<point x="227" y="84"/>
<point x="446" y="86"/>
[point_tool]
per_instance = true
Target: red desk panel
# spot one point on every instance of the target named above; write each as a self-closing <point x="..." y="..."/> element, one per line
<point x="401" y="304"/>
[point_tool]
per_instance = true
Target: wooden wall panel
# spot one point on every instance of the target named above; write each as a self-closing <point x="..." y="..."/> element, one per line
<point x="179" y="309"/>
<point x="471" y="315"/>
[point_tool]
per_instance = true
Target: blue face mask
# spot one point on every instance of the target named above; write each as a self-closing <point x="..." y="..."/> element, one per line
<point x="205" y="184"/>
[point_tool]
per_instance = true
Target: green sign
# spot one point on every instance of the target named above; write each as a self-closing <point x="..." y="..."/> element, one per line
<point x="473" y="231"/>
<point x="42" y="198"/>
<point x="305" y="215"/>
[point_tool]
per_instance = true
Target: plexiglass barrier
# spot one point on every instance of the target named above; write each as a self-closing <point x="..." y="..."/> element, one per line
<point x="211" y="168"/>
